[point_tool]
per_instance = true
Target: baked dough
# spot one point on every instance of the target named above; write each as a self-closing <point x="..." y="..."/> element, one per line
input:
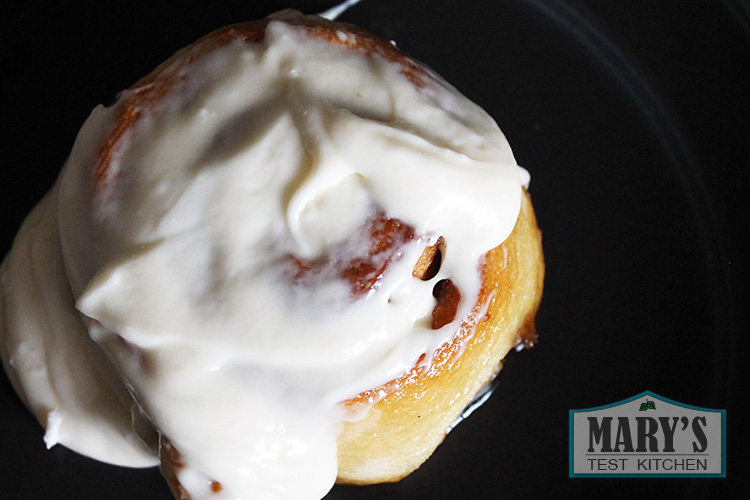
<point x="403" y="428"/>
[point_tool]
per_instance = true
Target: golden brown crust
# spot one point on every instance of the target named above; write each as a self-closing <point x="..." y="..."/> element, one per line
<point x="402" y="429"/>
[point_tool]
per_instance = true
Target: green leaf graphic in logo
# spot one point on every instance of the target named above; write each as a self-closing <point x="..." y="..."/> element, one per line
<point x="648" y="405"/>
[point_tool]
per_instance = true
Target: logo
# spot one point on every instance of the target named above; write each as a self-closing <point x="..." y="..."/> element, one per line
<point x="647" y="436"/>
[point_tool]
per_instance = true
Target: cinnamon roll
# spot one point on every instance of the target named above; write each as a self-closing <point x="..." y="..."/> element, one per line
<point x="289" y="256"/>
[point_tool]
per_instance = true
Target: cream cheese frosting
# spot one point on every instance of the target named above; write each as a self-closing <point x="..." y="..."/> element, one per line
<point x="165" y="300"/>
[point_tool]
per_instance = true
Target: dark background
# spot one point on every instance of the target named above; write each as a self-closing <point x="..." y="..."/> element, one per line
<point x="633" y="119"/>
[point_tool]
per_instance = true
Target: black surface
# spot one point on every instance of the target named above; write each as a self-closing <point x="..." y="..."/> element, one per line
<point x="633" y="119"/>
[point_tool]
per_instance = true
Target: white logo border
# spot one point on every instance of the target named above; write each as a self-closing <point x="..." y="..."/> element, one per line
<point x="723" y="413"/>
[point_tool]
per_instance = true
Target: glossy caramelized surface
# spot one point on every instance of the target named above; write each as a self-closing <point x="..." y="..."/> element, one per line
<point x="412" y="414"/>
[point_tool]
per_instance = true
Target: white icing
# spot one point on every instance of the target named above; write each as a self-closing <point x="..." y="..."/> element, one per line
<point x="60" y="373"/>
<point x="181" y="271"/>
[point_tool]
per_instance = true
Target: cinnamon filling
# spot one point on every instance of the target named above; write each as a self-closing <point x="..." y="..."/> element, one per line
<point x="362" y="270"/>
<point x="448" y="297"/>
<point x="429" y="262"/>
